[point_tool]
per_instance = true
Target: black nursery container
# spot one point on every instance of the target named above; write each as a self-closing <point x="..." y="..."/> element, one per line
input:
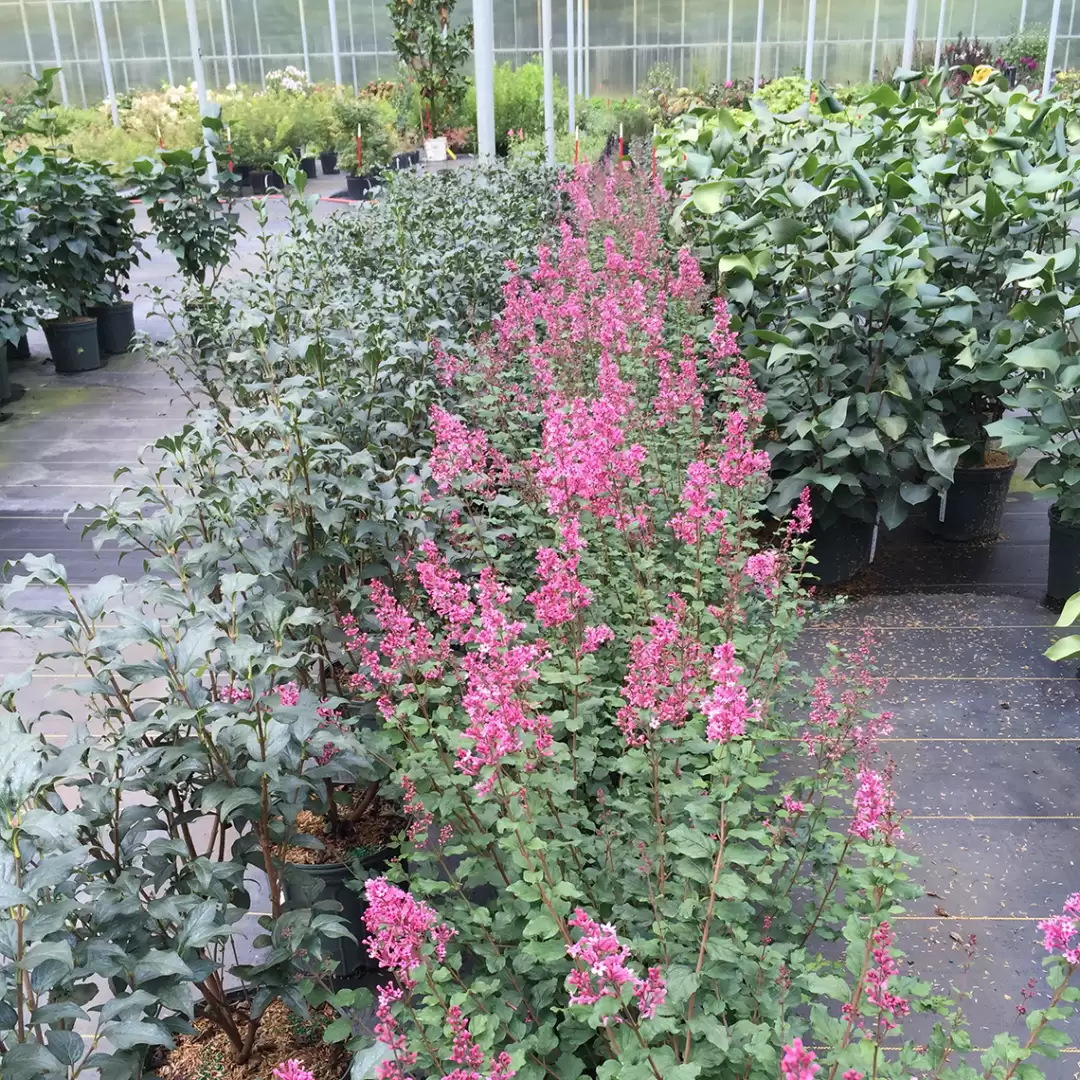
<point x="974" y="504"/>
<point x="841" y="548"/>
<point x="1063" y="569"/>
<point x="328" y="161"/>
<point x="73" y="345"/>
<point x="115" y="327"/>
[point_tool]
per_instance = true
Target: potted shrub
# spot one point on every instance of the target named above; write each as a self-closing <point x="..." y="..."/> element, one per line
<point x="20" y="260"/>
<point x="121" y="245"/>
<point x="375" y="142"/>
<point x="263" y="127"/>
<point x="220" y="783"/>
<point x="67" y="197"/>
<point x="435" y="55"/>
<point x="1047" y="427"/>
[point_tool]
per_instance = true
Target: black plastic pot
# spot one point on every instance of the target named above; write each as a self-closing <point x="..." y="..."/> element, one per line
<point x="244" y="174"/>
<point x="403" y="161"/>
<point x="262" y="180"/>
<point x="414" y="157"/>
<point x="974" y="505"/>
<point x="20" y="351"/>
<point x="841" y="548"/>
<point x="1063" y="569"/>
<point x="307" y="166"/>
<point x="73" y="344"/>
<point x="115" y="327"/>
<point x="328" y="161"/>
<point x="359" y="187"/>
<point x="332" y="880"/>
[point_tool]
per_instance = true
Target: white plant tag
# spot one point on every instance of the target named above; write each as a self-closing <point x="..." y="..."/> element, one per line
<point x="873" y="542"/>
<point x="943" y="499"/>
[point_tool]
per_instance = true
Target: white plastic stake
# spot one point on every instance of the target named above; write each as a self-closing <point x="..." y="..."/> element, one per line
<point x="873" y="542"/>
<point x="943" y="499"/>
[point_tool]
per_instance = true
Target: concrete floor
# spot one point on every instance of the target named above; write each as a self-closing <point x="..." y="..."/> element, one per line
<point x="986" y="736"/>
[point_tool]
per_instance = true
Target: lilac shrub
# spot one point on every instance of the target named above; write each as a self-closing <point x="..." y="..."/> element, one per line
<point x="643" y="842"/>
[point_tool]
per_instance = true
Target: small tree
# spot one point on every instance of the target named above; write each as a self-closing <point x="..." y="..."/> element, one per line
<point x="428" y="47"/>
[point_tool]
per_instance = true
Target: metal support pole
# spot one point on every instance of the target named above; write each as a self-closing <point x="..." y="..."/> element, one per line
<point x="106" y="67"/>
<point x="375" y="37"/>
<point x="120" y="47"/>
<point x="757" y="42"/>
<point x="78" y="61"/>
<point x="570" y="83"/>
<point x="1023" y="13"/>
<point x="196" y="54"/>
<point x="825" y="41"/>
<point x="213" y="46"/>
<point x="549" y="84"/>
<point x="332" y="8"/>
<point x="352" y="46"/>
<point x="587" y="90"/>
<point x="303" y="39"/>
<point x="633" y="53"/>
<point x="811" y="20"/>
<point x="28" y="40"/>
<point x="779" y="37"/>
<point x="910" y="29"/>
<point x="1048" y="73"/>
<point x="1068" y="37"/>
<point x="974" y="15"/>
<point x="56" y="50"/>
<point x="225" y="22"/>
<point x="730" y="36"/>
<point x="581" y="47"/>
<point x="165" y="40"/>
<point x="682" y="45"/>
<point x="940" y="35"/>
<point x="873" y="41"/>
<point x="484" y="61"/>
<point x="258" y="42"/>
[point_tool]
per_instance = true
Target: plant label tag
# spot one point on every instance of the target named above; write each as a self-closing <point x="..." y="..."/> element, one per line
<point x="943" y="499"/>
<point x="873" y="542"/>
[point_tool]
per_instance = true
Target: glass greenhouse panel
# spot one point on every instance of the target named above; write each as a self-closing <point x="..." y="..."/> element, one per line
<point x="702" y="40"/>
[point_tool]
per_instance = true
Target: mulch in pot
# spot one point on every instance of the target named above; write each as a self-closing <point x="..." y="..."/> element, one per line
<point x="282" y="1036"/>
<point x="351" y="840"/>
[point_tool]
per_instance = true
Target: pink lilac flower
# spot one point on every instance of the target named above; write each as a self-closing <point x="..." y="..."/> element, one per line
<point x="798" y="1063"/>
<point x="690" y="282"/>
<point x="289" y="693"/>
<point x="399" y="925"/>
<point x="738" y="461"/>
<point x="594" y="637"/>
<point x="562" y="594"/>
<point x="762" y="568"/>
<point x="292" y="1070"/>
<point x="853" y="1074"/>
<point x="662" y="682"/>
<point x="677" y="389"/>
<point x="390" y="1035"/>
<point x="727" y="708"/>
<point x="457" y="451"/>
<point x="1058" y="933"/>
<point x="419" y="819"/>
<point x="793" y="806"/>
<point x="873" y="804"/>
<point x="877" y="978"/>
<point x="233" y="694"/>
<point x="698" y="517"/>
<point x="801" y="518"/>
<point x="604" y="971"/>
<point x="446" y="592"/>
<point x="448" y="367"/>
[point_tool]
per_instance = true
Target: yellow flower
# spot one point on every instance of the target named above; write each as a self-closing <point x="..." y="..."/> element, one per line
<point x="982" y="74"/>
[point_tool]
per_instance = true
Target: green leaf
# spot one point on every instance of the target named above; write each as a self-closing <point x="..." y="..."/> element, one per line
<point x="1070" y="611"/>
<point x="130" y="1034"/>
<point x="835" y="415"/>
<point x="1034" y="358"/>
<point x="337" y="1031"/>
<point x="709" y="198"/>
<point x="1064" y="648"/>
<point x="711" y="1029"/>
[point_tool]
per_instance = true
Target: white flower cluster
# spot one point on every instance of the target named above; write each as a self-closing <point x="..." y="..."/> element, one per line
<point x="290" y="81"/>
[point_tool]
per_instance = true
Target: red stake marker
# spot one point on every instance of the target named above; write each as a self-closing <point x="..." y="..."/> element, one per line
<point x="359" y="151"/>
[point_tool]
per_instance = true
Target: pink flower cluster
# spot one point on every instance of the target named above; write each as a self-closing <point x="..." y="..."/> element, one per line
<point x="1059" y="931"/>
<point x="798" y="1062"/>
<point x="292" y="1070"/>
<point x="873" y="805"/>
<point x="661" y="686"/>
<point x="457" y="452"/>
<point x="399" y="926"/>
<point x="762" y="568"/>
<point x="604" y="968"/>
<point x="562" y="594"/>
<point x="419" y="819"/>
<point x="390" y="1035"/>
<point x="469" y="1057"/>
<point x="727" y="708"/>
<point x="698" y="518"/>
<point x="877" y="979"/>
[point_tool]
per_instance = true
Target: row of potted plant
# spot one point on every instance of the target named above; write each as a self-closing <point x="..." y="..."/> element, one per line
<point x="69" y="243"/>
<point x="883" y="264"/>
<point x="473" y="523"/>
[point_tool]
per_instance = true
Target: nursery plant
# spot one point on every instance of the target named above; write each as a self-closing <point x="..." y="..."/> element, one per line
<point x="433" y="53"/>
<point x="640" y="843"/>
<point x="903" y="218"/>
